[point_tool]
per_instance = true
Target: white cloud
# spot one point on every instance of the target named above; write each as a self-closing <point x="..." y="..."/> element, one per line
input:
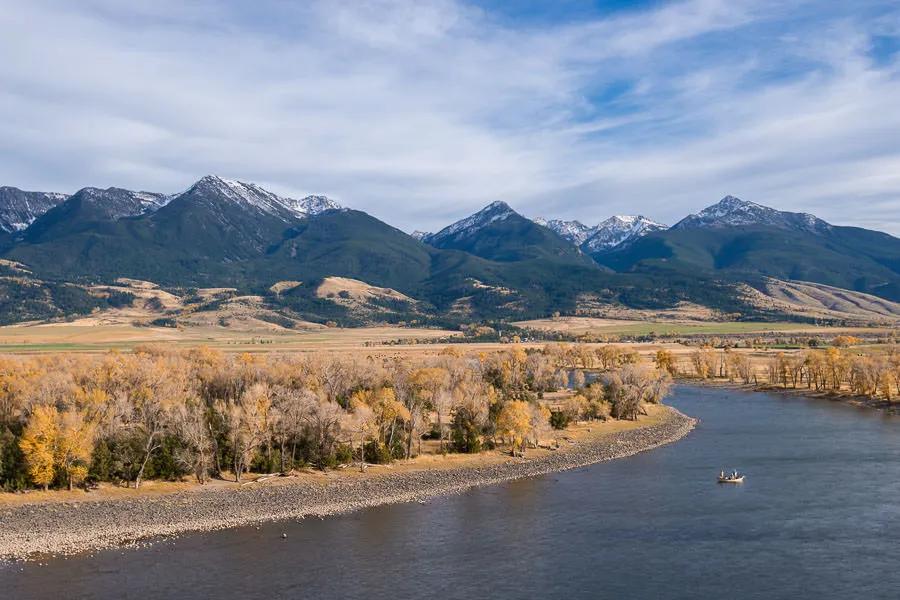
<point x="422" y="112"/>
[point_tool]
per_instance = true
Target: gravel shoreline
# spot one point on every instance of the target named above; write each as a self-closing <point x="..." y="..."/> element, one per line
<point x="68" y="528"/>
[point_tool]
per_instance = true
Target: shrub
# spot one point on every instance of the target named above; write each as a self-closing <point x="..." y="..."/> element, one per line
<point x="13" y="474"/>
<point x="559" y="419"/>
<point x="377" y="453"/>
<point x="118" y="299"/>
<point x="164" y="322"/>
<point x="464" y="432"/>
<point x="154" y="303"/>
<point x="343" y="454"/>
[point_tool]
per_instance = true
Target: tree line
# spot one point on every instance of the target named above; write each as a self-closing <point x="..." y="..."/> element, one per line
<point x="157" y="413"/>
<point x="839" y="368"/>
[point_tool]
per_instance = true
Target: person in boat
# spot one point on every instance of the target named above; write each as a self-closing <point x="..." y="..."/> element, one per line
<point x="722" y="474"/>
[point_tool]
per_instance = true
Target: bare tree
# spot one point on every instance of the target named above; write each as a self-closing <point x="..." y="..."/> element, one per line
<point x="248" y="424"/>
<point x="189" y="423"/>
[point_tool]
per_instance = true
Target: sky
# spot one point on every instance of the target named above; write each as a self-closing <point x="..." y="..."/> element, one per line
<point x="422" y="112"/>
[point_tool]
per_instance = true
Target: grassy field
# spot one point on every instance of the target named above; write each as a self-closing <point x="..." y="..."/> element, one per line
<point x="588" y="325"/>
<point x="28" y="339"/>
<point x="90" y="336"/>
<point x="703" y="328"/>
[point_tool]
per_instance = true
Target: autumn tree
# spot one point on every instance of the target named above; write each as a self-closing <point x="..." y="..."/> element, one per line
<point x="738" y="366"/>
<point x="514" y="424"/>
<point x="190" y="425"/>
<point x="324" y="420"/>
<point x="360" y="425"/>
<point x="426" y="384"/>
<point x="39" y="442"/>
<point x="631" y="386"/>
<point x="75" y="441"/>
<point x="704" y="362"/>
<point x="472" y="399"/>
<point x="287" y="420"/>
<point x="541" y="372"/>
<point x="540" y="422"/>
<point x="665" y="361"/>
<point x="247" y="420"/>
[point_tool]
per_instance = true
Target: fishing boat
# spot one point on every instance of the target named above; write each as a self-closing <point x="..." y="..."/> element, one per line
<point x="734" y="477"/>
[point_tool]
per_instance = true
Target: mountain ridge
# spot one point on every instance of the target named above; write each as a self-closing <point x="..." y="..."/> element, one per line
<point x="20" y="208"/>
<point x="731" y="211"/>
<point x="493" y="263"/>
<point x="609" y="233"/>
<point x="499" y="233"/>
<point x="739" y="239"/>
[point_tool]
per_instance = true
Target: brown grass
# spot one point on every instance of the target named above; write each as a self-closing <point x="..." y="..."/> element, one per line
<point x="94" y="335"/>
<point x="614" y="327"/>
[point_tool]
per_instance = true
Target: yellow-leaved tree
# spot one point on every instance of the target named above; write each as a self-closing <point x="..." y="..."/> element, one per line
<point x="665" y="361"/>
<point x="74" y="445"/>
<point x="38" y="444"/>
<point x="514" y="424"/>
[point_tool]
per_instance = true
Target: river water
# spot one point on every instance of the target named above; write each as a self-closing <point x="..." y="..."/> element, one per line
<point x="818" y="517"/>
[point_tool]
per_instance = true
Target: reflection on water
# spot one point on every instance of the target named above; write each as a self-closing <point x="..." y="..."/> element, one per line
<point x="816" y="518"/>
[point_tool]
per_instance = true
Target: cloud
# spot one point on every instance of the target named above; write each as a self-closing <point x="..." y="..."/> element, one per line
<point x="422" y="112"/>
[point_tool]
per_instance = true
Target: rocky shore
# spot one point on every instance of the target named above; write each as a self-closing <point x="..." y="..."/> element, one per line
<point x="67" y="528"/>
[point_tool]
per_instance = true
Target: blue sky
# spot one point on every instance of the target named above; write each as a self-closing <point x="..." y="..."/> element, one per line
<point x="422" y="112"/>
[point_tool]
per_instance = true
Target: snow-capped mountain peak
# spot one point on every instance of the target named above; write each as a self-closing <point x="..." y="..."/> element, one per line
<point x="493" y="212"/>
<point x="731" y="211"/>
<point x="615" y="231"/>
<point x="574" y="231"/>
<point x="620" y="230"/>
<point x="258" y="198"/>
<point x="245" y="194"/>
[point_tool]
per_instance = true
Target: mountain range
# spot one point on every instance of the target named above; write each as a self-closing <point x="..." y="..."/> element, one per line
<point x="495" y="263"/>
<point x="738" y="238"/>
<point x="617" y="231"/>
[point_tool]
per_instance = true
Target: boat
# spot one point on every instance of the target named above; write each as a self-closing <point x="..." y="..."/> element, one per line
<point x="730" y="479"/>
<point x="733" y="478"/>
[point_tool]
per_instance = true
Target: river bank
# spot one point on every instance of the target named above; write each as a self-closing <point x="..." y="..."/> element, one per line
<point x="841" y="396"/>
<point x="32" y="530"/>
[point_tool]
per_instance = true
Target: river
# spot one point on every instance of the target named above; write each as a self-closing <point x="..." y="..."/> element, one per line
<point x="818" y="517"/>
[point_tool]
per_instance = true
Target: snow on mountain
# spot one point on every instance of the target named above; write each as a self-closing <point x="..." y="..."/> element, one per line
<point x="420" y="235"/>
<point x="495" y="211"/>
<point x="614" y="231"/>
<point x="240" y="193"/>
<point x="117" y="203"/>
<point x="151" y="201"/>
<point x="19" y="209"/>
<point x="252" y="195"/>
<point x="313" y="205"/>
<point x="734" y="212"/>
<point x="620" y="230"/>
<point x="574" y="231"/>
